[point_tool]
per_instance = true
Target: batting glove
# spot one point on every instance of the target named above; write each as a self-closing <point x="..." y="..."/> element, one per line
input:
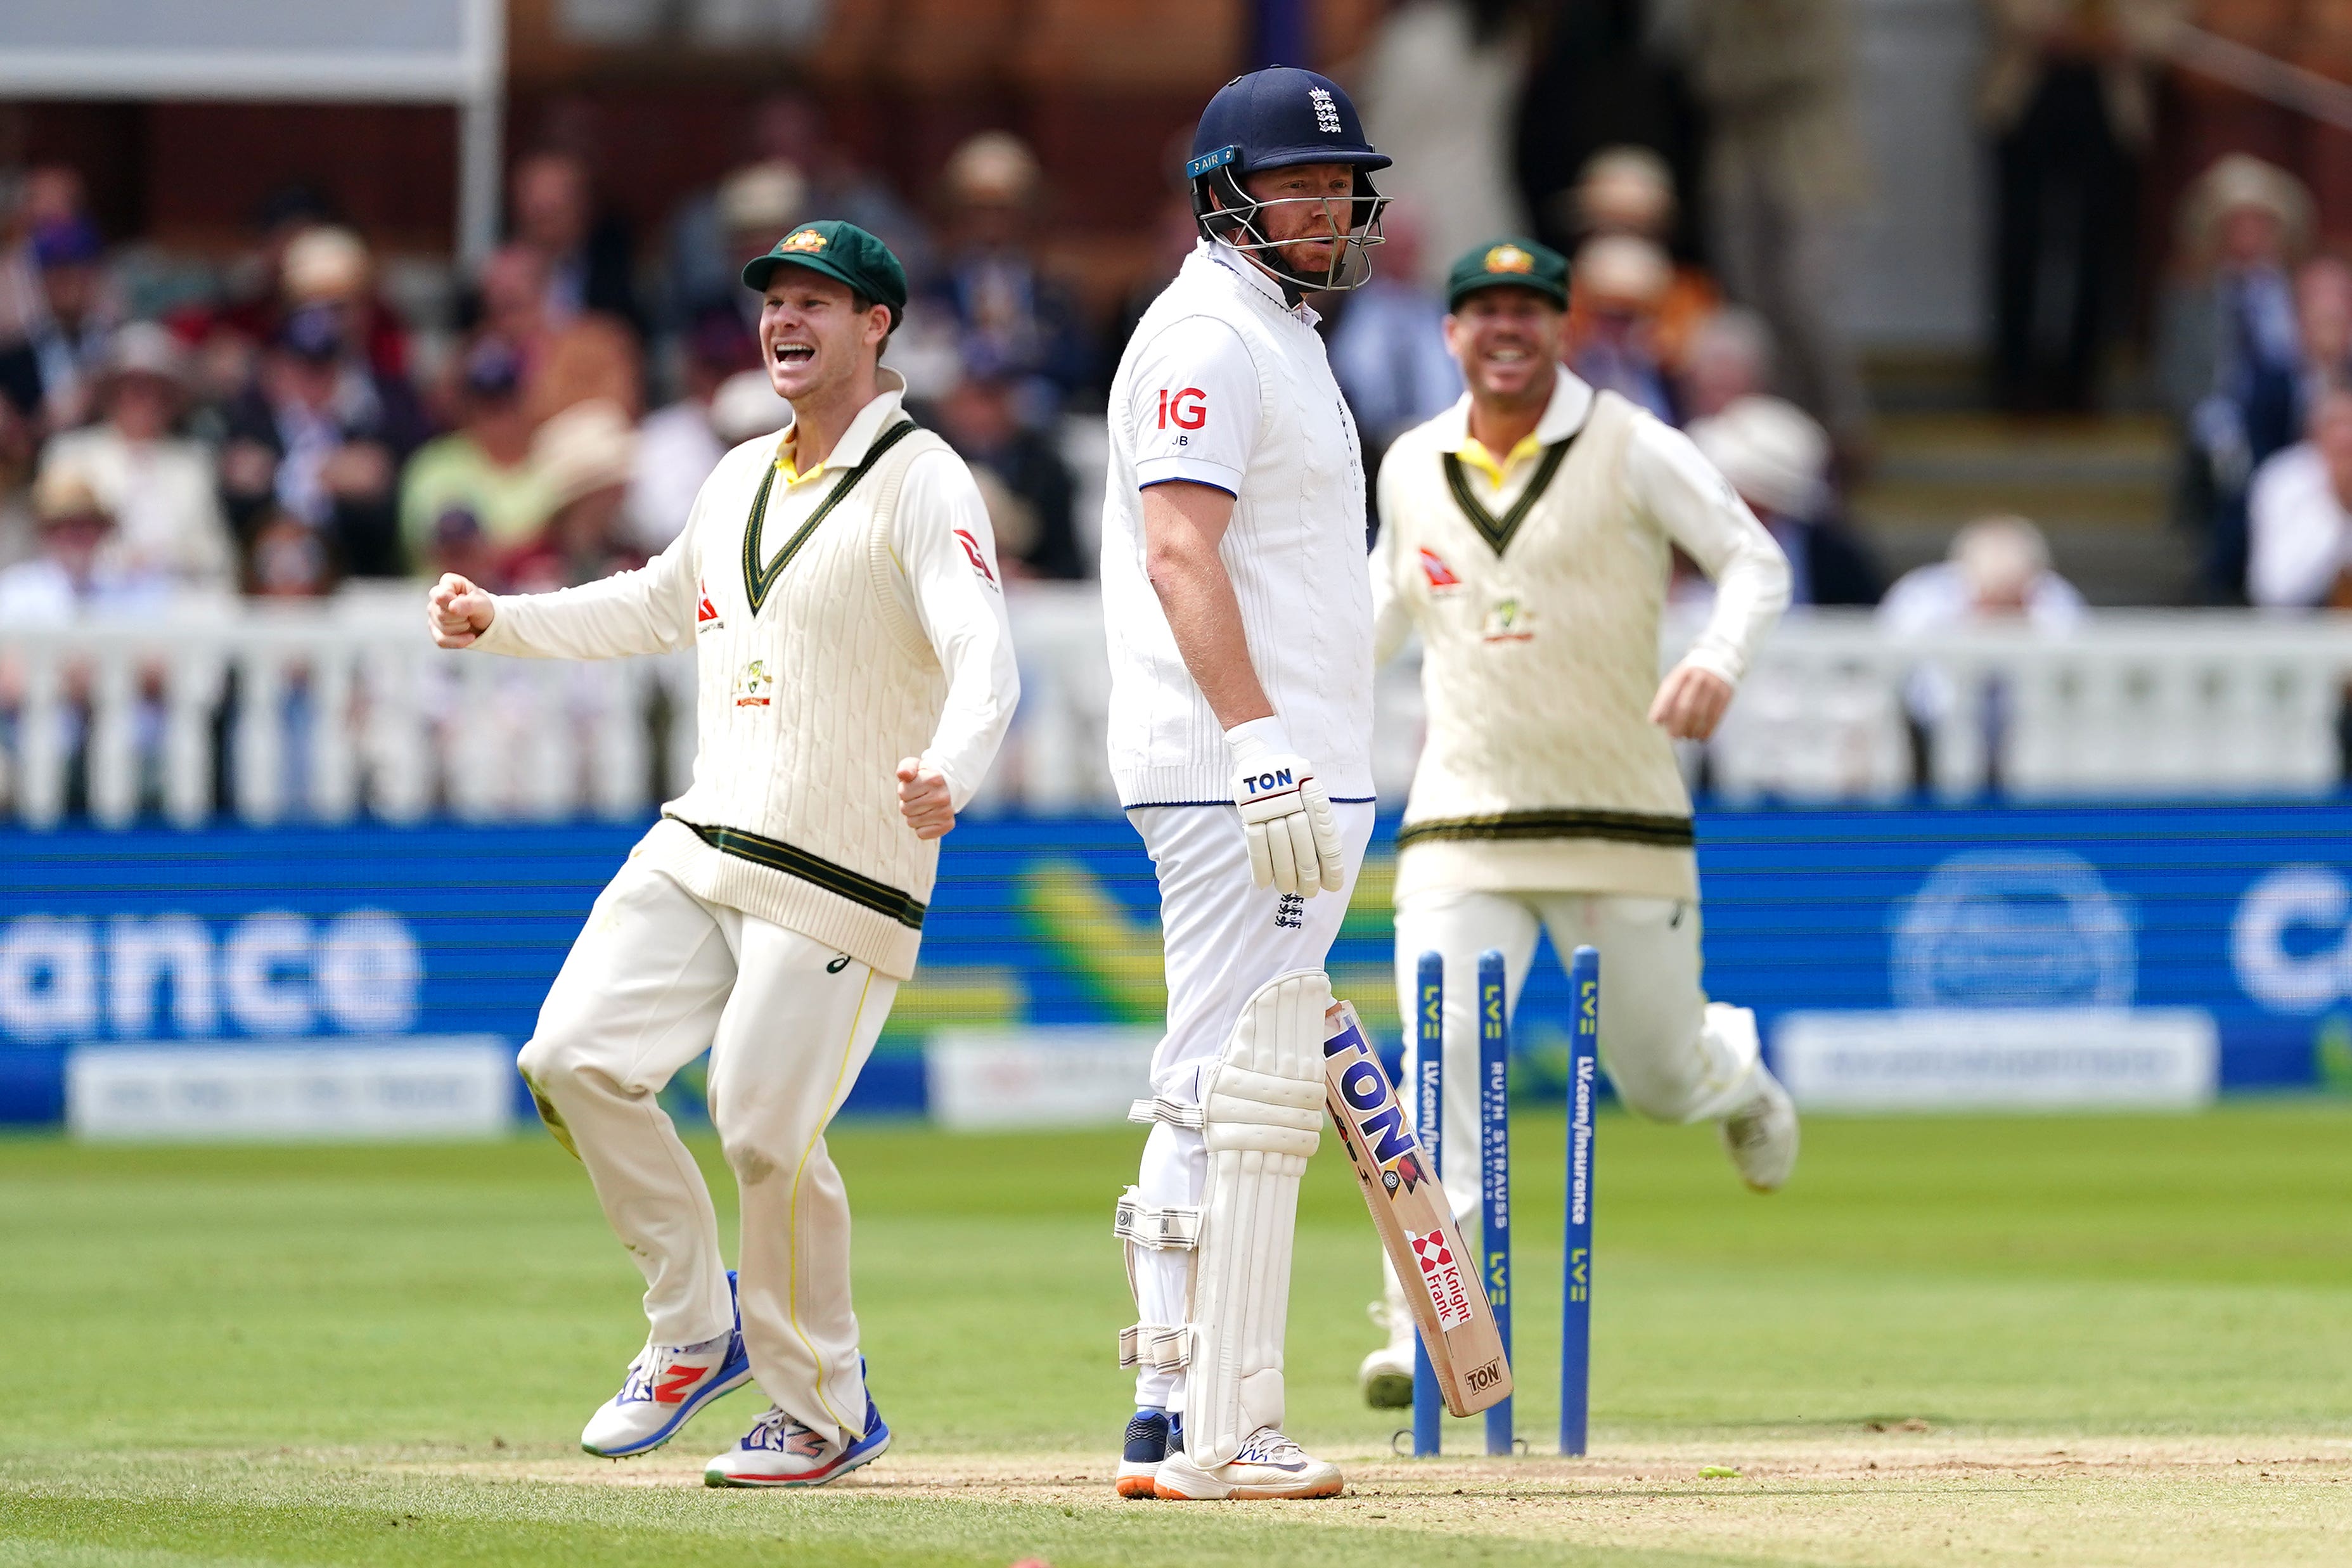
<point x="1294" y="838"/>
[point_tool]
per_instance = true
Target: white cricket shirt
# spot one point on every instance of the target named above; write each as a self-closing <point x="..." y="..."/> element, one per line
<point x="1225" y="384"/>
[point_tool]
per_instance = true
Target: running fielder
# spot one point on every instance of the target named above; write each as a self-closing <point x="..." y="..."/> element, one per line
<point x="1528" y="534"/>
<point x="1241" y="653"/>
<point x="838" y="584"/>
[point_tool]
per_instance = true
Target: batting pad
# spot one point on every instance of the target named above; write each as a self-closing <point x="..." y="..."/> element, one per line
<point x="1262" y="1116"/>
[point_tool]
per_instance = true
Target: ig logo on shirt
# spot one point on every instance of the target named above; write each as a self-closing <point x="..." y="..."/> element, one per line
<point x="1187" y="407"/>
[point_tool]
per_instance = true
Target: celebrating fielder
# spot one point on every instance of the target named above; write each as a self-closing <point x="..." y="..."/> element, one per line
<point x="1527" y="533"/>
<point x="1240" y="652"/>
<point x="855" y="676"/>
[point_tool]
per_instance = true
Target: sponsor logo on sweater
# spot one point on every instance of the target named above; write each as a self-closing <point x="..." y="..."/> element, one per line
<point x="705" y="613"/>
<point x="752" y="686"/>
<point x="973" y="554"/>
<point x="1507" y="620"/>
<point x="1433" y="567"/>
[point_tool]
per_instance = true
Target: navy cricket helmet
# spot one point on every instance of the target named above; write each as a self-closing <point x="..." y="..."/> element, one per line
<point x="1276" y="119"/>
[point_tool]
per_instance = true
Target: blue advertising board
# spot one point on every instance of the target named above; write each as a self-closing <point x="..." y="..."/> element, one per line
<point x="365" y="933"/>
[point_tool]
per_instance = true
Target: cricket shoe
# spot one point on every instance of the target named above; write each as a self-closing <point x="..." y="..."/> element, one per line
<point x="1269" y="1466"/>
<point x="1761" y="1135"/>
<point x="666" y="1385"/>
<point x="1152" y="1437"/>
<point x="1386" y="1375"/>
<point x="778" y="1451"/>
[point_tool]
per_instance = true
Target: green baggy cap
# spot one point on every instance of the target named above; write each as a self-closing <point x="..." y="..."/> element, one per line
<point x="842" y="251"/>
<point x="1508" y="263"/>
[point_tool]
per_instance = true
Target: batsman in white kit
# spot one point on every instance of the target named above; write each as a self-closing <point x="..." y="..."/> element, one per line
<point x="1528" y="534"/>
<point x="1241" y="654"/>
<point x="855" y="675"/>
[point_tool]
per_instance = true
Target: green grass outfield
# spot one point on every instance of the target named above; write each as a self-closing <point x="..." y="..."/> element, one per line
<point x="383" y="1356"/>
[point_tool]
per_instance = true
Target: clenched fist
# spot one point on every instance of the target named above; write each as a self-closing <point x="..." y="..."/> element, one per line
<point x="458" y="612"/>
<point x="923" y="799"/>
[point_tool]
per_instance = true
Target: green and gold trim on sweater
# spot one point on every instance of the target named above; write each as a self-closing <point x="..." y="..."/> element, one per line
<point x="794" y="861"/>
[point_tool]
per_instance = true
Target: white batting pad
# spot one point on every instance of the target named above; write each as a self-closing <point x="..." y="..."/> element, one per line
<point x="1262" y="1116"/>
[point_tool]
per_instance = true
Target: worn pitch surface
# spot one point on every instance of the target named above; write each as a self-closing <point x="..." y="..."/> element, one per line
<point x="2068" y="1341"/>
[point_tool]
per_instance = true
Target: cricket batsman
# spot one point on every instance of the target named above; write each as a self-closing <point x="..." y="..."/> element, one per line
<point x="838" y="584"/>
<point x="1528" y="534"/>
<point x="1241" y="654"/>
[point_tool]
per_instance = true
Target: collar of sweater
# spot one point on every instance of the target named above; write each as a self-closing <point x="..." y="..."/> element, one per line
<point x="856" y="441"/>
<point x="1564" y="416"/>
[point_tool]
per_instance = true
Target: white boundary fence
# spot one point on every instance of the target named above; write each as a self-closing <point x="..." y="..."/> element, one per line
<point x="332" y="711"/>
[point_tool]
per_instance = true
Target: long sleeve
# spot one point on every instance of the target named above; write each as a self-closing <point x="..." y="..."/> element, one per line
<point x="947" y="559"/>
<point x="1671" y="481"/>
<point x="1391" y="615"/>
<point x="649" y="610"/>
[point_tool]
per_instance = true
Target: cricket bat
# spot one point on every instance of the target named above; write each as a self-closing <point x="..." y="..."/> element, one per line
<point x="1416" y="1223"/>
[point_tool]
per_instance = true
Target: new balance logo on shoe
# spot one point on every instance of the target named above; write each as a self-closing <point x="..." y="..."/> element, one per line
<point x="678" y="1383"/>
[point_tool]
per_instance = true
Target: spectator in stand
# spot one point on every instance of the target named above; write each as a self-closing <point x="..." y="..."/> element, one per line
<point x="69" y="340"/>
<point x="21" y="306"/>
<point x="472" y="496"/>
<point x="756" y="205"/>
<point x="1615" y="290"/>
<point x="256" y="304"/>
<point x="331" y="267"/>
<point x="679" y="444"/>
<point x="788" y="127"/>
<point x="1008" y="312"/>
<point x="161" y="490"/>
<point x="1784" y="165"/>
<point x="1778" y="458"/>
<point x="586" y="261"/>
<point x="323" y="440"/>
<point x="2067" y="99"/>
<point x="565" y="361"/>
<point x="1728" y="357"/>
<point x="1023" y="478"/>
<point x="2323" y="316"/>
<point x="74" y="570"/>
<point x="2229" y="349"/>
<point x="2300" y="512"/>
<point x="1388" y="353"/>
<point x="583" y="457"/>
<point x="1631" y="190"/>
<point x="1998" y="570"/>
<point x="287" y="560"/>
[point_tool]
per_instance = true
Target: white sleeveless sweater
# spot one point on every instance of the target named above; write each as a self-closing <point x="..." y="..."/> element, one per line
<point x="1540" y="770"/>
<point x="793" y="812"/>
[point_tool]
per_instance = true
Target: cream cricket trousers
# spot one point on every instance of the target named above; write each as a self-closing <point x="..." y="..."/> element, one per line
<point x="1222" y="937"/>
<point x="656" y="977"/>
<point x="1670" y="1054"/>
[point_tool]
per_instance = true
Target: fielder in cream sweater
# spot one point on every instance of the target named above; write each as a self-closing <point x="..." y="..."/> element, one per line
<point x="838" y="584"/>
<point x="1528" y="534"/>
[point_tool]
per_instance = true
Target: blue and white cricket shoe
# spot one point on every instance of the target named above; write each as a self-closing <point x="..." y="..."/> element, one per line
<point x="778" y="1451"/>
<point x="666" y="1385"/>
<point x="1152" y="1437"/>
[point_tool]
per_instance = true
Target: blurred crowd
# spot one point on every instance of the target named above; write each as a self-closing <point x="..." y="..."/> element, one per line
<point x="311" y="412"/>
<point x="307" y="414"/>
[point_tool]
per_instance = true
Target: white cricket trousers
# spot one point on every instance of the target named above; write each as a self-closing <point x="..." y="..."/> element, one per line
<point x="1670" y="1054"/>
<point x="656" y="977"/>
<point x="1222" y="937"/>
